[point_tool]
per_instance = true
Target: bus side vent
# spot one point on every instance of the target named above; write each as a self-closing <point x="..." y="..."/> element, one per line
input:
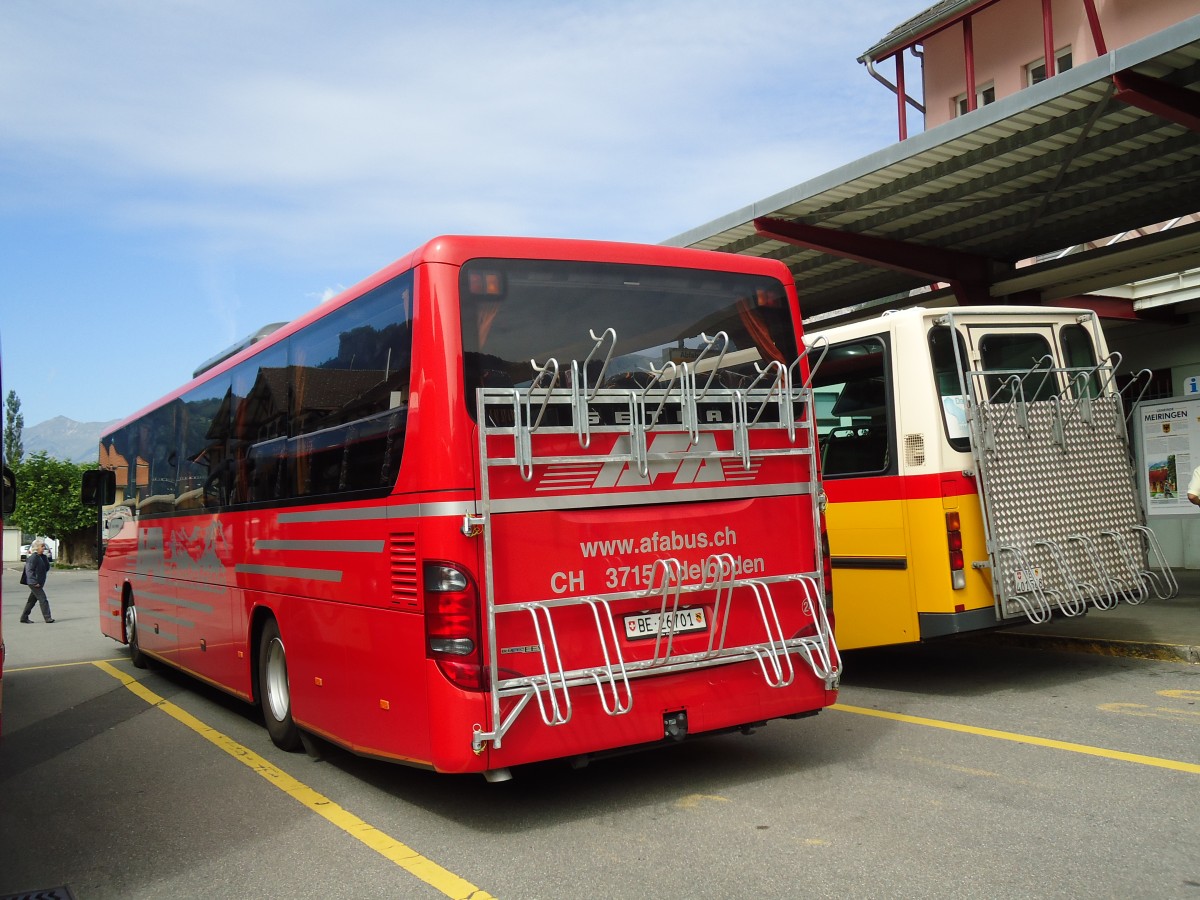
<point x="403" y="550"/>
<point x="914" y="449"/>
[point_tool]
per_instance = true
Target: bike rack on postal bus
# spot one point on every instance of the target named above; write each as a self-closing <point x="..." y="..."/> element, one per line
<point x="1061" y="516"/>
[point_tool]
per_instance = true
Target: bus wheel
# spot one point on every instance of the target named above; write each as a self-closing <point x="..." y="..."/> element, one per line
<point x="136" y="656"/>
<point x="274" y="693"/>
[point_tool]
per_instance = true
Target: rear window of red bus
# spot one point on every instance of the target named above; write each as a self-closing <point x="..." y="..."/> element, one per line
<point x="515" y="311"/>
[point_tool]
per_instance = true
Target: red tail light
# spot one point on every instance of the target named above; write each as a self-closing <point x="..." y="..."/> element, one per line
<point x="954" y="544"/>
<point x="452" y="627"/>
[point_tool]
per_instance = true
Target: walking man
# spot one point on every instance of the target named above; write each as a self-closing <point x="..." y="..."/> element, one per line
<point x="37" y="567"/>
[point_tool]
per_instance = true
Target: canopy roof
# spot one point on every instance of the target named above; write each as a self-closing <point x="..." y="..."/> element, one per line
<point x="1067" y="161"/>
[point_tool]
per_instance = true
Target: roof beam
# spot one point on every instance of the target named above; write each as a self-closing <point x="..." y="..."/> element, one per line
<point x="1104" y="307"/>
<point x="1161" y="98"/>
<point x="968" y="273"/>
<point x="1116" y="309"/>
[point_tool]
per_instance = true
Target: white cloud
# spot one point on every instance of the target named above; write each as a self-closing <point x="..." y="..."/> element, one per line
<point x="329" y="293"/>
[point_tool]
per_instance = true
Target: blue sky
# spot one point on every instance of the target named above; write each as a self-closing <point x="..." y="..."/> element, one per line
<point x="176" y="173"/>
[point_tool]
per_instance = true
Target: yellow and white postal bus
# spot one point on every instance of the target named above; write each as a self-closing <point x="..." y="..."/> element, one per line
<point x="977" y="471"/>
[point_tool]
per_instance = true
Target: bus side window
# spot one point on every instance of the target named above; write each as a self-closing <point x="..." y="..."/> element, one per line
<point x="158" y="461"/>
<point x="349" y="402"/>
<point x="950" y="380"/>
<point x="853" y="409"/>
<point x="257" y="447"/>
<point x="203" y="477"/>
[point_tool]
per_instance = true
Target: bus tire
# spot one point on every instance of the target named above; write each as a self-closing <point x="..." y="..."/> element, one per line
<point x="136" y="656"/>
<point x="275" y="695"/>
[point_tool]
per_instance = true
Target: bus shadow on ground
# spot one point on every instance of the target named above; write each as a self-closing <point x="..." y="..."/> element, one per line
<point x="971" y="666"/>
<point x="651" y="781"/>
<point x="659" y="776"/>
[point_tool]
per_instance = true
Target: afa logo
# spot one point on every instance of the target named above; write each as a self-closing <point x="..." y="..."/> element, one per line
<point x="680" y="463"/>
<point x="690" y="466"/>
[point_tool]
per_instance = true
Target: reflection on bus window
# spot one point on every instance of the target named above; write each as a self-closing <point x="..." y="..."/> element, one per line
<point x="203" y="436"/>
<point x="947" y="375"/>
<point x="258" y="439"/>
<point x="1007" y="355"/>
<point x="1079" y="353"/>
<point x="517" y="310"/>
<point x="853" y="409"/>
<point x="350" y="394"/>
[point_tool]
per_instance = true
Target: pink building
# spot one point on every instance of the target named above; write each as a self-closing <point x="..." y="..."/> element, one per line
<point x="958" y="55"/>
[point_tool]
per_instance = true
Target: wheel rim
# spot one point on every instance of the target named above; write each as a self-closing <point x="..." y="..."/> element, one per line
<point x="278" y="695"/>
<point x="131" y="625"/>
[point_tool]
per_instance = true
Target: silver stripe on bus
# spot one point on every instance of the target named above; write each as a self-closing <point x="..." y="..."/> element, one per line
<point x="157" y="616"/>
<point x="581" y="501"/>
<point x="166" y="581"/>
<point x="206" y="586"/>
<point x="150" y="595"/>
<point x="406" y="511"/>
<point x="332" y="546"/>
<point x="192" y="604"/>
<point x="645" y="498"/>
<point x="152" y="578"/>
<point x="288" y="572"/>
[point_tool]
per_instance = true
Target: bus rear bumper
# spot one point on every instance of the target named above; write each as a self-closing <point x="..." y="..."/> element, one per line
<point x="665" y="709"/>
<point x="936" y="625"/>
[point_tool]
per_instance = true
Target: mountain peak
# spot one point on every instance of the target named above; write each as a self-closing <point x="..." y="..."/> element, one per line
<point x="64" y="438"/>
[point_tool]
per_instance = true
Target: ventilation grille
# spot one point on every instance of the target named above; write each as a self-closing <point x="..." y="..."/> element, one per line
<point x="403" y="551"/>
<point x="914" y="449"/>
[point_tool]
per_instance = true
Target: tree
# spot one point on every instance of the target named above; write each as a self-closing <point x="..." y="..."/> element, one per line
<point x="14" y="424"/>
<point x="48" y="502"/>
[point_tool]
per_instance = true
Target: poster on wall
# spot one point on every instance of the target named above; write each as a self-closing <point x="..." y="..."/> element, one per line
<point x="1170" y="443"/>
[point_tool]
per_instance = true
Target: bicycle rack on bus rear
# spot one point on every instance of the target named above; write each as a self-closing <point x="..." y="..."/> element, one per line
<point x="677" y="389"/>
<point x="1064" y="526"/>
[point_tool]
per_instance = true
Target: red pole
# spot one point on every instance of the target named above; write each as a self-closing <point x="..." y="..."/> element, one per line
<point x="901" y="104"/>
<point x="1048" y="38"/>
<point x="969" y="56"/>
<point x="1093" y="17"/>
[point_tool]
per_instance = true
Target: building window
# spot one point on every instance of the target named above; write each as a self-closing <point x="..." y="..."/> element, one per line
<point x="1035" y="72"/>
<point x="984" y="94"/>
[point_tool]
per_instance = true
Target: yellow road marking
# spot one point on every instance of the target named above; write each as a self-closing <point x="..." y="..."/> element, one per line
<point x="691" y="801"/>
<point x="405" y="857"/>
<point x="1175" y="764"/>
<point x="1190" y="696"/>
<point x="1190" y="716"/>
<point x="85" y="662"/>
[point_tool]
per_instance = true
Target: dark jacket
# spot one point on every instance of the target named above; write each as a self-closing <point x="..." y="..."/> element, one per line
<point x="36" y="569"/>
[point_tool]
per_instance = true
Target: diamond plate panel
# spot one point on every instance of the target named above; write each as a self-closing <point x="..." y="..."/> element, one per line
<point x="1053" y="486"/>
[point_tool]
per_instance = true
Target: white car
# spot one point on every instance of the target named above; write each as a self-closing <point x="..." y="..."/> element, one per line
<point x="49" y="546"/>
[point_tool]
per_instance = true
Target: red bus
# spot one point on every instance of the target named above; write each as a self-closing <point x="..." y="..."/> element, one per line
<point x="506" y="500"/>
